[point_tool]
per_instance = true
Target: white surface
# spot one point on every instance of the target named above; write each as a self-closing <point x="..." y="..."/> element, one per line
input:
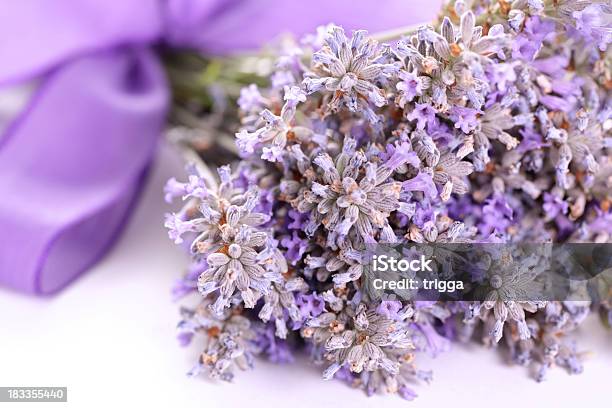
<point x="110" y="338"/>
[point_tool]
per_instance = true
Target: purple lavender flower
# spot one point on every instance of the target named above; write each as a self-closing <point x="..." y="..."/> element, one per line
<point x="193" y="188"/>
<point x="282" y="79"/>
<point x="594" y="22"/>
<point x="525" y="48"/>
<point x="464" y="118"/>
<point x="421" y="182"/>
<point x="250" y="99"/>
<point x="296" y="247"/>
<point x="389" y="309"/>
<point x="554" y="205"/>
<point x="410" y="86"/>
<point x="310" y="305"/>
<point x="350" y="70"/>
<point x="276" y="350"/>
<point x="298" y="219"/>
<point x="457" y="134"/>
<point x="556" y="103"/>
<point x="177" y="227"/>
<point x="497" y="209"/>
<point x="423" y="114"/>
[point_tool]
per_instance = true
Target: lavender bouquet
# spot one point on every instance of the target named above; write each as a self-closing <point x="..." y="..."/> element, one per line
<point x="493" y="127"/>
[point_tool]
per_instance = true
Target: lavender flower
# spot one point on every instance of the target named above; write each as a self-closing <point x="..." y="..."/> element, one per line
<point x="272" y="137"/>
<point x="227" y="343"/>
<point x="352" y="193"/>
<point x="410" y="86"/>
<point x="350" y="70"/>
<point x="455" y="134"/>
<point x="365" y="346"/>
<point x="250" y="99"/>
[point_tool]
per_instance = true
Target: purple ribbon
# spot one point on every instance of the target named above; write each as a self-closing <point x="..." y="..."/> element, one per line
<point x="73" y="162"/>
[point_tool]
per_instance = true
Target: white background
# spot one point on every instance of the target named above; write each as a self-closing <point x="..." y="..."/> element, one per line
<point x="110" y="338"/>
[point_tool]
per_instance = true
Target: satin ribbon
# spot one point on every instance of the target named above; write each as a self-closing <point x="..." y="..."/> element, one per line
<point x="72" y="163"/>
